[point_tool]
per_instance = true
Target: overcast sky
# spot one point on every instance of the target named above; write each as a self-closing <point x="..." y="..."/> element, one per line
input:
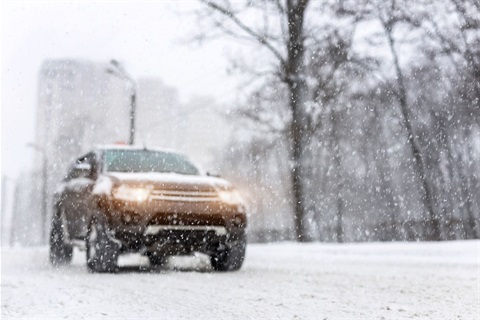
<point x="147" y="37"/>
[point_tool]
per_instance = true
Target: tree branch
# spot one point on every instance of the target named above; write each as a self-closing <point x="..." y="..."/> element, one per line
<point x="262" y="40"/>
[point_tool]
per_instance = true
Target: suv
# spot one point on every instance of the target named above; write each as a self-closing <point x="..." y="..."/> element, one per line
<point x="119" y="199"/>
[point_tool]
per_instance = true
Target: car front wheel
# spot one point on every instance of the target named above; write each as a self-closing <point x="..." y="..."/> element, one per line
<point x="102" y="250"/>
<point x="231" y="257"/>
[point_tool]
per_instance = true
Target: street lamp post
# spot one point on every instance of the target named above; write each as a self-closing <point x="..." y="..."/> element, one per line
<point x="133" y="110"/>
<point x="44" y="191"/>
<point x="118" y="70"/>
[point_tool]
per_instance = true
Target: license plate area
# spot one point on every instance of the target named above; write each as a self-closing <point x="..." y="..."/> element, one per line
<point x="157" y="229"/>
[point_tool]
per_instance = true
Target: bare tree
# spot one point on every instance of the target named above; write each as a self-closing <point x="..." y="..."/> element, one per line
<point x="289" y="52"/>
<point x="391" y="15"/>
<point x="336" y="108"/>
<point x="459" y="47"/>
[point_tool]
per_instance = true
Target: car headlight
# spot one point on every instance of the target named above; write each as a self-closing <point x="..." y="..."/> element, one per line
<point x="131" y="194"/>
<point x="230" y="197"/>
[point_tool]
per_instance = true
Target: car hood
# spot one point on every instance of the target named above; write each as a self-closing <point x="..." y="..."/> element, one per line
<point x="169" y="181"/>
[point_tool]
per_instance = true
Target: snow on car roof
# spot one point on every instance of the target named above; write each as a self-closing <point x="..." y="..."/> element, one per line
<point x="137" y="147"/>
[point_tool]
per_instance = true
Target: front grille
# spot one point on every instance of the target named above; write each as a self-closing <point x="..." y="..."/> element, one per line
<point x="187" y="219"/>
<point x="184" y="196"/>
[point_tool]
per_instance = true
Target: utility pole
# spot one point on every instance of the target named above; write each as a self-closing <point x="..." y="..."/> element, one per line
<point x="119" y="71"/>
<point x="43" y="221"/>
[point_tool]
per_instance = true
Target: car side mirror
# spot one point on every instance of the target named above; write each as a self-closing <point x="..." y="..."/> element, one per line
<point x="82" y="170"/>
<point x="210" y="174"/>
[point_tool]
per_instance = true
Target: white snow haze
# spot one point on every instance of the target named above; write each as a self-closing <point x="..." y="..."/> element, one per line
<point x="239" y="159"/>
<point x="150" y="38"/>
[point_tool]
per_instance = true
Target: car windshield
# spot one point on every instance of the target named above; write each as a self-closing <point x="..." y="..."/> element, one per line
<point x="147" y="161"/>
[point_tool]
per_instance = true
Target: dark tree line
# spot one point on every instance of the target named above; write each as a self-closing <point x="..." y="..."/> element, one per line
<point x="362" y="121"/>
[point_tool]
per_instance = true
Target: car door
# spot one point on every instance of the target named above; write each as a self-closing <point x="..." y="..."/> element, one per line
<point x="78" y="195"/>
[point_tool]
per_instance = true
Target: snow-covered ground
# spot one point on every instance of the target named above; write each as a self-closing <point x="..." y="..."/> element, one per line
<point x="277" y="281"/>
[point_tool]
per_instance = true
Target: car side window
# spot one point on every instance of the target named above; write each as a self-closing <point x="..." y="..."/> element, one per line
<point x="83" y="167"/>
<point x="91" y="159"/>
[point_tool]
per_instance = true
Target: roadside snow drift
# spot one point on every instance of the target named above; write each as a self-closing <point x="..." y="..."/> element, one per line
<point x="278" y="281"/>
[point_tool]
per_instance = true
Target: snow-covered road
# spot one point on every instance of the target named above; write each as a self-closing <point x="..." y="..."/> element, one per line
<point x="278" y="281"/>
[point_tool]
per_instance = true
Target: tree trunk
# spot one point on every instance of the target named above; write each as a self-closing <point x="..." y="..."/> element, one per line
<point x="466" y="188"/>
<point x="294" y="71"/>
<point x="385" y="175"/>
<point x="337" y="163"/>
<point x="473" y="179"/>
<point x="433" y="227"/>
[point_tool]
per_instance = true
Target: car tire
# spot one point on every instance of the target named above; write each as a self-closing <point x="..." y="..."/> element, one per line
<point x="231" y="257"/>
<point x="60" y="253"/>
<point x="102" y="250"/>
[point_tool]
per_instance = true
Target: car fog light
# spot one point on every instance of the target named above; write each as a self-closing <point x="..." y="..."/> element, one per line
<point x="230" y="197"/>
<point x="237" y="221"/>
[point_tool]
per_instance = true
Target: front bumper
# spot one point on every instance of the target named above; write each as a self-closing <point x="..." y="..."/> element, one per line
<point x="173" y="227"/>
<point x="157" y="229"/>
